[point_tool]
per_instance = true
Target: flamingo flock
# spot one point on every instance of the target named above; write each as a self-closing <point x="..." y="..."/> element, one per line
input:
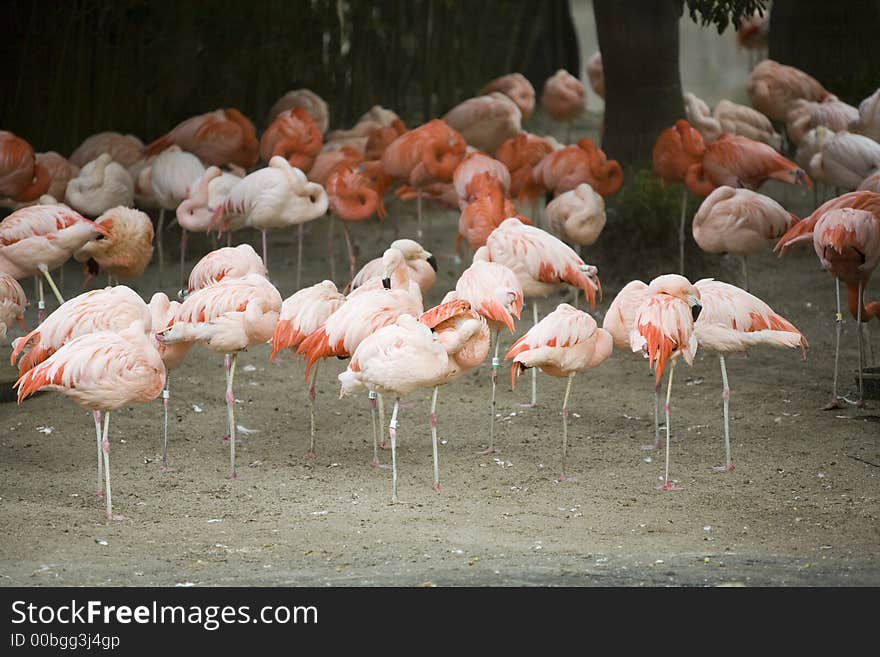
<point x="107" y="348"/>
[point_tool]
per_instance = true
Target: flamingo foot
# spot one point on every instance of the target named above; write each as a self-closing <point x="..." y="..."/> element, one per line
<point x="226" y="440"/>
<point x="99" y="494"/>
<point x="527" y="405"/>
<point x="833" y="404"/>
<point x="566" y="478"/>
<point x="668" y="485"/>
<point x="437" y="488"/>
<point x="311" y="455"/>
<point x="116" y="516"/>
<point x="232" y="476"/>
<point x="652" y="448"/>
<point x="723" y="468"/>
<point x="489" y="451"/>
<point x="383" y="445"/>
<point x="375" y="463"/>
<point x="167" y="468"/>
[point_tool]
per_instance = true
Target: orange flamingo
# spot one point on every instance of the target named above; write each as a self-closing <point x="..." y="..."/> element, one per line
<point x="61" y="172"/>
<point x="101" y="371"/>
<point x="740" y="222"/>
<point x="488" y="207"/>
<point x="521" y="155"/>
<point x="517" y="87"/>
<point x="221" y="137"/>
<point x="22" y="179"/>
<point x="565" y="342"/>
<point x="425" y="154"/>
<point x="293" y="135"/>
<point x="226" y="317"/>
<point x="566" y="168"/>
<point x="125" y="251"/>
<point x="381" y="137"/>
<point x="302" y="313"/>
<point x="308" y="100"/>
<point x="352" y="197"/>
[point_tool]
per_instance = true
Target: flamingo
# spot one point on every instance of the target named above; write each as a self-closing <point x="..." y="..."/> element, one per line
<point x="846" y="159"/>
<point x="831" y="113"/>
<point x="810" y="145"/>
<point x="61" y="172"/>
<point x="566" y="168"/>
<point x="493" y="291"/>
<point x="302" y="313"/>
<point x="675" y="151"/>
<point x="773" y="87"/>
<point x="521" y="155"/>
<point x="464" y="335"/>
<point x="754" y="32"/>
<point x="517" y="87"/>
<point x="221" y="137"/>
<point x="381" y="138"/>
<point x="102" y="372"/>
<point x="871" y="183"/>
<point x="396" y="359"/>
<point x="565" y="342"/>
<point x="12" y="303"/>
<point x="195" y="211"/>
<point x="308" y="100"/>
<point x="295" y="136"/>
<point x="732" y="321"/>
<point x="274" y="197"/>
<point x="327" y="161"/>
<point x="101" y="184"/>
<point x="421" y="266"/>
<point x="663" y="328"/>
<point x="228" y="316"/>
<point x="22" y="178"/>
<point x="473" y="164"/>
<point x="125" y="251"/>
<point x="376" y="118"/>
<point x="741" y="162"/>
<point x="868" y="123"/>
<point x="127" y="150"/>
<point x="541" y="263"/>
<point x="577" y="217"/>
<point x="488" y="207"/>
<point x="563" y="98"/>
<point x="596" y="74"/>
<point x="425" y="154"/>
<point x="730" y="117"/>
<point x="365" y="310"/>
<point x="740" y="222"/>
<point x="171" y="174"/>
<point x="38" y="238"/>
<point x="226" y="262"/>
<point x="486" y="121"/>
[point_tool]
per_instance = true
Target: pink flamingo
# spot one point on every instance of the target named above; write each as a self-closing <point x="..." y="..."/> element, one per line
<point x="730" y="117"/>
<point x="308" y="100"/>
<point x="295" y="136"/>
<point x="740" y="222"/>
<point x="773" y="87"/>
<point x="38" y="238"/>
<point x="564" y="98"/>
<point x="493" y="291"/>
<point x="421" y="266"/>
<point x="517" y="87"/>
<point x="868" y="123"/>
<point x="831" y="113"/>
<point x="396" y="359"/>
<point x="12" y="303"/>
<point x="125" y="149"/>
<point x="101" y="184"/>
<point x="226" y="262"/>
<point x="566" y="168"/>
<point x="486" y="121"/>
<point x="226" y="317"/>
<point x="596" y="74"/>
<point x="846" y="159"/>
<point x="274" y="197"/>
<point x="732" y="321"/>
<point x="101" y="371"/>
<point x="61" y="172"/>
<point x="221" y="137"/>
<point x="541" y="263"/>
<point x="565" y="342"/>
<point x="473" y="165"/>
<point x="301" y="314"/>
<point x="125" y="251"/>
<point x="663" y="328"/>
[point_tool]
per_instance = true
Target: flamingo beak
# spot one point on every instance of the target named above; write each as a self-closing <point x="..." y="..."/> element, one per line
<point x="696" y="309"/>
<point x="386" y="283"/>
<point x="433" y="262"/>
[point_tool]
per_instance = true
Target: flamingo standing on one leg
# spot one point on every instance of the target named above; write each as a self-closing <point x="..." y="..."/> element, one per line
<point x="302" y="313"/>
<point x="494" y="292"/>
<point x="732" y="321"/>
<point x="421" y="266"/>
<point x="125" y="251"/>
<point x="100" y="185"/>
<point x="101" y="371"/>
<point x="663" y="328"/>
<point x="225" y="262"/>
<point x="226" y="317"/>
<point x="565" y="342"/>
<point x="564" y="98"/>
<point x="38" y="238"/>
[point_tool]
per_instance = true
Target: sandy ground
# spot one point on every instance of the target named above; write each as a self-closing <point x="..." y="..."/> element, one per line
<point x="800" y="507"/>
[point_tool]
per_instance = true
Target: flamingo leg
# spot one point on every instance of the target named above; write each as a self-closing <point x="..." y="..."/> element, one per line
<point x="331" y="251"/>
<point x="265" y="253"/>
<point x="381" y="422"/>
<point x="495" y="364"/>
<point x="681" y="224"/>
<point x="419" y="213"/>
<point x="158" y="239"/>
<point x="183" y="241"/>
<point x="41" y="304"/>
<point x="656" y="444"/>
<point x="392" y="432"/>
<point x="229" y="238"/>
<point x="52" y="285"/>
<point x="668" y="485"/>
<point x="311" y="453"/>
<point x="725" y="396"/>
<point x="434" y="439"/>
<point x="352" y="261"/>
<point x="375" y="462"/>
<point x="534" y="369"/>
<point x="105" y="445"/>
<point x="166" y="402"/>
<point x="299" y="254"/>
<point x="745" y="268"/>
<point x="835" y="400"/>
<point x="577" y="290"/>
<point x="230" y="412"/>
<point x="861" y="402"/>
<point x="96" y="415"/>
<point x="563" y="476"/>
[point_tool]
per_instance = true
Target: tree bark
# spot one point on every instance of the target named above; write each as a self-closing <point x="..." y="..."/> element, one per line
<point x="643" y="96"/>
<point x="835" y="42"/>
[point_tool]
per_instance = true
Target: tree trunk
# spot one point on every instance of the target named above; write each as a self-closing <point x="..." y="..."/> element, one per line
<point x="548" y="42"/>
<point x="639" y="45"/>
<point x="835" y="42"/>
